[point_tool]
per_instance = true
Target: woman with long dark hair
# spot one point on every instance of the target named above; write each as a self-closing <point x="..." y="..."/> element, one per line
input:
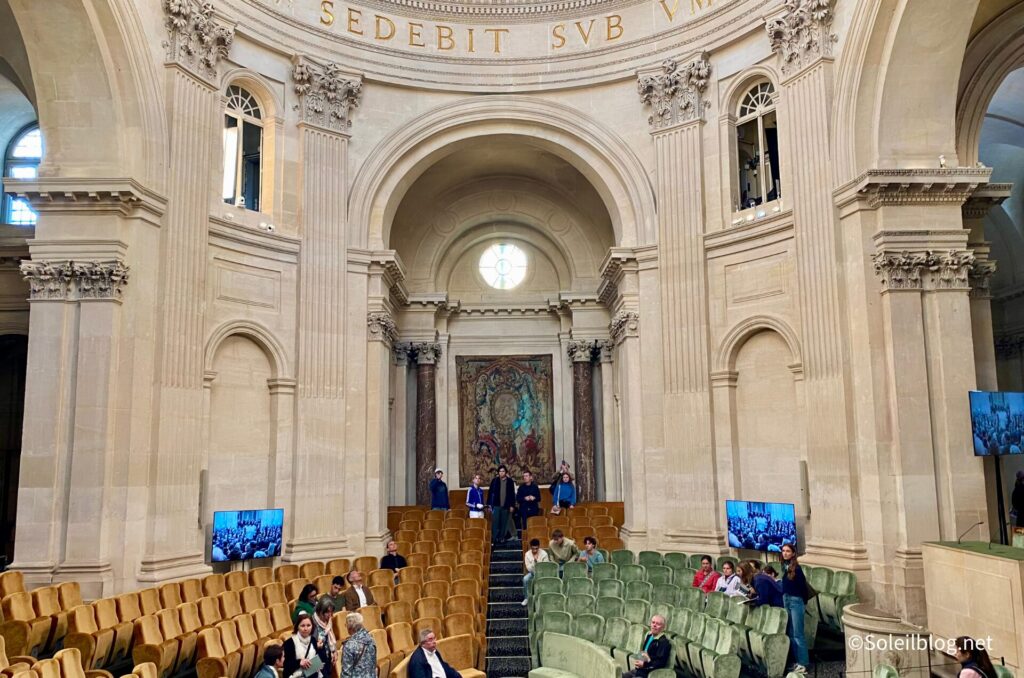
<point x="306" y="602"/>
<point x="794" y="597"/>
<point x="973" y="658"/>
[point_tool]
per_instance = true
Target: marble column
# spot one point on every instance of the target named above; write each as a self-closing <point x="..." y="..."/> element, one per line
<point x="399" y="469"/>
<point x="313" y="530"/>
<point x="197" y="43"/>
<point x="426" y="354"/>
<point x="802" y="38"/>
<point x="609" y="424"/>
<point x="582" y="355"/>
<point x="675" y="94"/>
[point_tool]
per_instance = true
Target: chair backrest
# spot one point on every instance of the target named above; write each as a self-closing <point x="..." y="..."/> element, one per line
<point x="191" y="590"/>
<point x="623" y="557"/>
<point x="149" y="601"/>
<point x="400" y="637"/>
<point x="579" y="603"/>
<point x="170" y="625"/>
<point x="737" y="611"/>
<point x="312" y="569"/>
<point x="366" y="564"/>
<point x="259" y="576"/>
<point x="230" y="604"/>
<point x="46" y="601"/>
<point x="381" y="578"/>
<point x="680" y="621"/>
<point x="213" y="584"/>
<point x="128" y="607"/>
<point x="339" y="566"/>
<point x="666" y="593"/>
<point x="543" y="585"/>
<point x="588" y="626"/>
<point x="408" y="593"/>
<point x="228" y="636"/>
<point x="236" y="580"/>
<point x="843" y="583"/>
<point x="47" y="668"/>
<point x="556" y="621"/>
<point x="11" y="582"/>
<point x="820" y="578"/>
<point x="145" y="670"/>
<point x="574" y="570"/>
<point x="250" y="599"/>
<point x="419" y="560"/>
<point x="578" y="585"/>
<point x="605" y="571"/>
<point x="70" y="595"/>
<point x="429" y="607"/>
<point x="545" y="569"/>
<point x="438" y="573"/>
<point x="265" y="625"/>
<point x="371" y="617"/>
<point x="432" y="623"/>
<point x="209" y="611"/>
<point x="648" y="558"/>
<point x="639" y="589"/>
<point x="294" y="587"/>
<point x="458" y="623"/>
<point x="273" y="593"/>
<point x="411" y="575"/>
<point x="676" y="560"/>
<point x="246" y="630"/>
<point x="610" y="606"/>
<point x="188" y="617"/>
<point x="712" y="629"/>
<point x="473" y="530"/>
<point x="106" y="613"/>
<point x="282" y="618"/>
<point x="461" y="603"/>
<point x="286" y="572"/>
<point x="399" y="611"/>
<point x="635" y="638"/>
<point x="887" y="671"/>
<point x="716" y="604"/>
<point x="170" y="595"/>
<point x="81" y="619"/>
<point x="637" y="611"/>
<point x="615" y="631"/>
<point x="465" y="587"/>
<point x="629" y="572"/>
<point x="611" y="587"/>
<point x="437" y="589"/>
<point x="691" y="598"/>
<point x="458" y="651"/>
<point x="147" y="630"/>
<point x="382" y="595"/>
<point x="550" y="601"/>
<point x="659" y="574"/>
<point x="468" y="571"/>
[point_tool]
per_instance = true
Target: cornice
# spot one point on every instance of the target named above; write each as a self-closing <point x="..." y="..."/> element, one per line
<point x="750" y="232"/>
<point x="884" y="187"/>
<point x="985" y="198"/>
<point x="126" y="197"/>
<point x="277" y="243"/>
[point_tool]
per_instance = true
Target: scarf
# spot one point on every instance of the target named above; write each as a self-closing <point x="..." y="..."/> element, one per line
<point x="301" y="645"/>
<point x="325" y="628"/>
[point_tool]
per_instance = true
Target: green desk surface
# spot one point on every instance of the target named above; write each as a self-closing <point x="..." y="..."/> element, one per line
<point x="984" y="548"/>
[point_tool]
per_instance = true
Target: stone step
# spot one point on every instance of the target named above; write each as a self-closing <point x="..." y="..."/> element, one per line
<point x="505" y="580"/>
<point x="506" y="567"/>
<point x="508" y="646"/>
<point x="508" y="627"/>
<point x="508" y="667"/>
<point x="506" y="611"/>
<point x="505" y="594"/>
<point x="506" y="555"/>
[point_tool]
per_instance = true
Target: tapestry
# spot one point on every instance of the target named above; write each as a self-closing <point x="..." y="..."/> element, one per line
<point x="505" y="416"/>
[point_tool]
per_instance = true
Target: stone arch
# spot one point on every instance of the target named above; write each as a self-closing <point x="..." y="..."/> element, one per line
<point x="259" y="334"/>
<point x="115" y="127"/>
<point x="729" y="347"/>
<point x="14" y="327"/>
<point x="991" y="55"/>
<point x="272" y="110"/>
<point x="741" y="84"/>
<point x="598" y="153"/>
<point x="269" y="99"/>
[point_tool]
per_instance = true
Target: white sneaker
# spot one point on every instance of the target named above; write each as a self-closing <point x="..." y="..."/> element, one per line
<point x="525" y="601"/>
<point x="798" y="668"/>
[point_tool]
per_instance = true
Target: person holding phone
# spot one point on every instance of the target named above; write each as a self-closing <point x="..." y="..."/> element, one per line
<point x="655" y="652"/>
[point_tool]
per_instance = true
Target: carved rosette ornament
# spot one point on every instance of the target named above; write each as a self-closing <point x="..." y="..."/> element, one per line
<point x="381" y="327"/>
<point x="196" y="38"/>
<point x="581" y="351"/>
<point x="71" y="281"/>
<point x="802" y="33"/>
<point x="624" y="324"/>
<point x="676" y="93"/>
<point x="326" y="95"/>
<point x="947" y="270"/>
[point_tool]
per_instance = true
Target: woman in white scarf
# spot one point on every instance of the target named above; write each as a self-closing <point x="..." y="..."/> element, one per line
<point x="299" y="650"/>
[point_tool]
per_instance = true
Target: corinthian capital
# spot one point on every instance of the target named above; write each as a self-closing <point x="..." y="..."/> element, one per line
<point x="802" y="33"/>
<point x="929" y="270"/>
<point x="197" y="40"/>
<point x="624" y="324"/>
<point x="327" y="94"/>
<point x="381" y="327"/>
<point x="70" y="281"/>
<point x="426" y="352"/>
<point x="581" y="351"/>
<point x="675" y="93"/>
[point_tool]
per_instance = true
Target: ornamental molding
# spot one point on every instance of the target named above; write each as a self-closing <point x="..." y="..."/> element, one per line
<point x="125" y="197"/>
<point x="802" y="33"/>
<point x="918" y="186"/>
<point x="580" y="351"/>
<point x="675" y="93"/>
<point x="327" y="94"/>
<point x="196" y="39"/>
<point x="381" y="327"/>
<point x="929" y="270"/>
<point x="426" y="352"/>
<point x="984" y="199"/>
<point x="624" y="324"/>
<point x="73" y="281"/>
<point x="980" y="277"/>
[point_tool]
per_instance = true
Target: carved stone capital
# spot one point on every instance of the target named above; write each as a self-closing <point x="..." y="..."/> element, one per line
<point x="327" y="94"/>
<point x="606" y="350"/>
<point x="71" y="281"/>
<point x="624" y="324"/>
<point x="930" y="270"/>
<point x="581" y="351"/>
<point x="801" y="33"/>
<point x="381" y="327"/>
<point x="401" y="352"/>
<point x="675" y="93"/>
<point x="196" y="39"/>
<point x="980" y="277"/>
<point x="426" y="352"/>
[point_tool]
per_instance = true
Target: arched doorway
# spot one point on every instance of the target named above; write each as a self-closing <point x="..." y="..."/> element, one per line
<point x="13" y="360"/>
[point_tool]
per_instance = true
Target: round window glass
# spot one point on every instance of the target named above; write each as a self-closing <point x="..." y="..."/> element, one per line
<point x="503" y="266"/>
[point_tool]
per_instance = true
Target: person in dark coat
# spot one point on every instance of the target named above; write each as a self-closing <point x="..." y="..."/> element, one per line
<point x="439" y="492"/>
<point x="426" y="660"/>
<point x="502" y="499"/>
<point x="768" y="588"/>
<point x="655" y="652"/>
<point x="527" y="499"/>
<point x="564" y="468"/>
<point x="1017" y="498"/>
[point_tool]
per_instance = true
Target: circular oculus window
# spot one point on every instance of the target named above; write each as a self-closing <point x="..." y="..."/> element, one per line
<point x="503" y="266"/>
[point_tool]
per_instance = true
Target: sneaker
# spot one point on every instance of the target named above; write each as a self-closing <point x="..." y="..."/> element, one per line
<point x="798" y="668"/>
<point x="524" y="603"/>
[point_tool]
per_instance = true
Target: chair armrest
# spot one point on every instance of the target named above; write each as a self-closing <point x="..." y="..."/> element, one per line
<point x="98" y="673"/>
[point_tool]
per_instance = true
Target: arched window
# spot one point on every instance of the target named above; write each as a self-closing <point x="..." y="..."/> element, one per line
<point x="243" y="149"/>
<point x="757" y="147"/>
<point x="21" y="161"/>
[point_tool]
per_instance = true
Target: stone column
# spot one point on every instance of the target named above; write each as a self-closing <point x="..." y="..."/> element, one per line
<point x="399" y="469"/>
<point x="426" y="355"/>
<point x="675" y="94"/>
<point x="582" y="355"/>
<point x="196" y="44"/>
<point x="326" y="98"/>
<point x="802" y="38"/>
<point x="609" y="424"/>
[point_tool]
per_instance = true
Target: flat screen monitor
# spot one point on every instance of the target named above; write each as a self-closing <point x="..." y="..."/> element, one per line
<point x="246" y="535"/>
<point x="760" y="525"/>
<point x="997" y="423"/>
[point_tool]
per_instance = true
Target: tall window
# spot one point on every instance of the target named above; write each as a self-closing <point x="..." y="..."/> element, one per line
<point x="243" y="149"/>
<point x="757" y="143"/>
<point x="21" y="161"/>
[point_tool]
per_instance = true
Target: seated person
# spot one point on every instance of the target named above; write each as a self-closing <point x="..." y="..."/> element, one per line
<point x="357" y="595"/>
<point x="533" y="556"/>
<point x="563" y="550"/>
<point x="334" y="595"/>
<point x="590" y="555"/>
<point x="426" y="661"/>
<point x="705" y="578"/>
<point x="655" y="652"/>
<point x="729" y="581"/>
<point x="392" y="561"/>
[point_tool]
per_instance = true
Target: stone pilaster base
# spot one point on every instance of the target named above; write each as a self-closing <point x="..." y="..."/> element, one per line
<point x="159" y="569"/>
<point x="95" y="579"/>
<point x="316" y="548"/>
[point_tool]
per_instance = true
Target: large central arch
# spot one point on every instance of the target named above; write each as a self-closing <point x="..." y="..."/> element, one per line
<point x="599" y="154"/>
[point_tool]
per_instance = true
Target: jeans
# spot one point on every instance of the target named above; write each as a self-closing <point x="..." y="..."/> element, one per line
<point x="795" y="628"/>
<point x="499" y="524"/>
<point x="527" y="578"/>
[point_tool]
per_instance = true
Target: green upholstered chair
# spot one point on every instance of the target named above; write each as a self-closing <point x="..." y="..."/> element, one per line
<point x="679" y="651"/>
<point x="842" y="592"/>
<point x="1003" y="672"/>
<point x="553" y="621"/>
<point x="716" y="606"/>
<point x="666" y="593"/>
<point x="545" y="602"/>
<point x="664" y="609"/>
<point x="634" y="641"/>
<point x="611" y="587"/>
<point x="574" y="585"/>
<point x="614" y="634"/>
<point x="637" y="611"/>
<point x="545" y="569"/>
<point x="639" y="589"/>
<point x="564" y="656"/>
<point x="884" y="671"/>
<point x="580" y="603"/>
<point x="659" y="574"/>
<point x="753" y="621"/>
<point x="628" y="573"/>
<point x="676" y="560"/>
<point x="684" y="576"/>
<point x="648" y="558"/>
<point x="737" y="611"/>
<point x="610" y="606"/>
<point x="542" y="586"/>
<point x="695" y="561"/>
<point x="623" y="557"/>
<point x="575" y="570"/>
<point x="679" y="623"/>
<point x="605" y="570"/>
<point x="700" y="629"/>
<point x="769" y="644"/>
<point x="721" y="659"/>
<point x="589" y="627"/>
<point x="691" y="598"/>
<point x="662" y="673"/>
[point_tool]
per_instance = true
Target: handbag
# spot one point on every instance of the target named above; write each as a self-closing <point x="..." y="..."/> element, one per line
<point x="810" y="593"/>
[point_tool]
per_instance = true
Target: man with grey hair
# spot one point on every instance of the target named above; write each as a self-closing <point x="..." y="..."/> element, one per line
<point x="426" y="661"/>
<point x="359" y="653"/>
<point x="655" y="652"/>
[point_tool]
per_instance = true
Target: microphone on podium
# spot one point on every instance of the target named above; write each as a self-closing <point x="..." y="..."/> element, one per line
<point x="980" y="522"/>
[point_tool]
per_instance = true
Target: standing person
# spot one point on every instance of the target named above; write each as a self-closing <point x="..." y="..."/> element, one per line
<point x="655" y="653"/>
<point x="533" y="556"/>
<point x="305" y="603"/>
<point x="357" y="595"/>
<point x="973" y="658"/>
<point x="527" y="499"/>
<point x="392" y="560"/>
<point x="794" y="597"/>
<point x="323" y="635"/>
<point x="501" y="498"/>
<point x="563" y="550"/>
<point x="359" y="654"/>
<point x="768" y="588"/>
<point x="475" y="498"/>
<point x="299" y="651"/>
<point x="565" y="495"/>
<point x="590" y="555"/>
<point x="273" y="661"/>
<point x="426" y="661"/>
<point x="564" y="468"/>
<point x="1017" y="498"/>
<point x="439" y="492"/>
<point x="705" y="578"/>
<point x="729" y="581"/>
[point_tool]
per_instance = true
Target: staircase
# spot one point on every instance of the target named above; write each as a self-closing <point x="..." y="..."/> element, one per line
<point x="508" y="639"/>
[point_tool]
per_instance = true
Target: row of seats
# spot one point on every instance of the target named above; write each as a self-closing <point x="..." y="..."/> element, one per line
<point x="65" y="664"/>
<point x="459" y="652"/>
<point x="35" y="623"/>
